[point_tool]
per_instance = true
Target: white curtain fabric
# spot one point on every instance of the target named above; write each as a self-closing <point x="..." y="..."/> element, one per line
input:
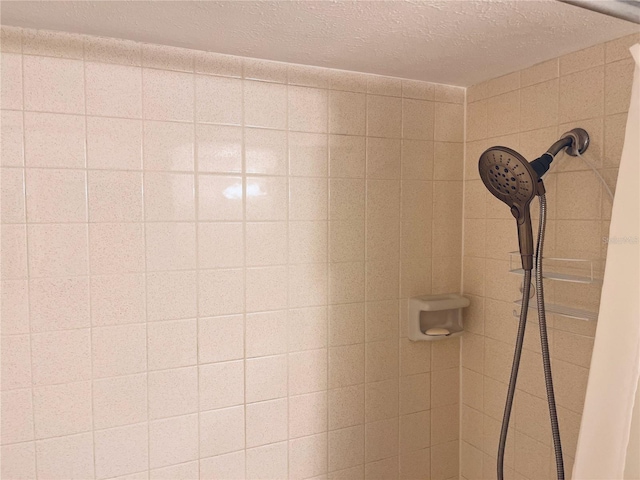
<point x="615" y="366"/>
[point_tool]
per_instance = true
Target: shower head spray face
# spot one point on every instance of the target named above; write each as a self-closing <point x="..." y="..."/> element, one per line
<point x="510" y="178"/>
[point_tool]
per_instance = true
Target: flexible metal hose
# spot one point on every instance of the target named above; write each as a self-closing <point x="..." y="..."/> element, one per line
<point x="526" y="289"/>
<point x="544" y="343"/>
<point x="546" y="362"/>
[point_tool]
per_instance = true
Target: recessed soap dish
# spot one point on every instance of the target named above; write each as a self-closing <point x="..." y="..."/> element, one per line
<point x="434" y="317"/>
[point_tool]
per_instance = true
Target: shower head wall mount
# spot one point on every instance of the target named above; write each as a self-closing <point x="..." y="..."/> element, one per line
<point x="513" y="180"/>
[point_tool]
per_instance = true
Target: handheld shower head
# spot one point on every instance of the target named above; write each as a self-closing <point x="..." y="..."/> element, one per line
<point x="511" y="179"/>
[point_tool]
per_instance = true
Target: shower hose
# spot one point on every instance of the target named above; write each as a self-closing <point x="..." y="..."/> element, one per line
<point x="546" y="362"/>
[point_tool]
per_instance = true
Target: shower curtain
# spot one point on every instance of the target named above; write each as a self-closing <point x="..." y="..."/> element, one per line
<point x="607" y="443"/>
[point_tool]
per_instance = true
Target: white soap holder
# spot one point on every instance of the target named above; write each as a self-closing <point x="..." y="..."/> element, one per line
<point x="439" y="315"/>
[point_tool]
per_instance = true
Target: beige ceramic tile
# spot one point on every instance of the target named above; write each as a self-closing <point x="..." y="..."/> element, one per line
<point x="14" y="241"/>
<point x="167" y="95"/>
<point x="114" y="90"/>
<point x="265" y="151"/>
<point x="265" y="105"/>
<point x="220" y="339"/>
<point x="266" y="198"/>
<point x="218" y="100"/>
<point x="219" y="148"/>
<point x="11" y="39"/>
<point x="307" y="109"/>
<point x="168" y="146"/>
<point x="347" y="113"/>
<point x="173" y="392"/>
<point x="384" y="116"/>
<point x="308" y="154"/>
<point x="171" y="344"/>
<point x="117" y="299"/>
<point x="171" y="295"/>
<point x="53" y="140"/>
<point x="173" y="440"/>
<point x="220" y="197"/>
<point x="59" y="303"/>
<point x="114" y="143"/>
<point x="129" y="444"/>
<point x="119" y="401"/>
<point x="582" y="95"/>
<point x="221" y="292"/>
<point x="214" y="375"/>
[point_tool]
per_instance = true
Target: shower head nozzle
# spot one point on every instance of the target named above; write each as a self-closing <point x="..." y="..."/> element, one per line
<point x="511" y="179"/>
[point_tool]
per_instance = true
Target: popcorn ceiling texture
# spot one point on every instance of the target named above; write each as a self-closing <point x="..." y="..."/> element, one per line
<point x="206" y="261"/>
<point x="444" y="41"/>
<point x="527" y="111"/>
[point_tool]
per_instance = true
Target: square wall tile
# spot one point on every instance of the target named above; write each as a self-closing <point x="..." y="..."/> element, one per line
<point x="222" y="431"/>
<point x="59" y="303"/>
<point x="307" y="328"/>
<point x="62" y="409"/>
<point x="266" y="333"/>
<point x="346" y="406"/>
<point x="220" y="198"/>
<point x="173" y="392"/>
<point x="54" y="140"/>
<point x="187" y="470"/>
<point x="19" y="460"/>
<point x="308" y="456"/>
<point x="117" y="299"/>
<point x="269" y="461"/>
<point x="220" y="339"/>
<point x="346" y="240"/>
<point x="169" y="146"/>
<point x="346" y="365"/>
<point x="221" y="292"/>
<point x="170" y="246"/>
<point x="171" y="295"/>
<point x="116" y="248"/>
<point x="308" y="199"/>
<point x="265" y="105"/>
<point x="383" y="158"/>
<point x="66" y="457"/>
<point x="265" y="151"/>
<point x="57" y="250"/>
<point x="169" y="196"/>
<point x="115" y="196"/>
<point x="219" y="148"/>
<point x="119" y="350"/>
<point x="173" y="440"/>
<point x="347" y="113"/>
<point x="582" y="95"/>
<point x="418" y="119"/>
<point x="267" y="422"/>
<point x="220" y="245"/>
<point x="172" y="344"/>
<point x="307" y="242"/>
<point x="266" y="243"/>
<point x="266" y="198"/>
<point x="307" y="414"/>
<point x="121" y="451"/>
<point x="307" y="109"/>
<point x="119" y="401"/>
<point x="449" y="125"/>
<point x="231" y="465"/>
<point x="266" y="378"/>
<point x="266" y="288"/>
<point x="384" y="116"/>
<point x="218" y="100"/>
<point x="221" y="385"/>
<point x="167" y="95"/>
<point x="307" y="371"/>
<point x="307" y="285"/>
<point x="113" y="90"/>
<point x="346" y="324"/>
<point x="56" y="196"/>
<point x="308" y="154"/>
<point x="54" y="85"/>
<point x="346" y="449"/>
<point x="346" y="156"/>
<point x="114" y="143"/>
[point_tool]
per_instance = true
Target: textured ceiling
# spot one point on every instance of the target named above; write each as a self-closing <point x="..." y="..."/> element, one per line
<point x="450" y="41"/>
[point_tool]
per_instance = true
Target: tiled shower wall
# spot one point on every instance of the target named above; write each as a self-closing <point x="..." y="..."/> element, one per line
<point x="206" y="261"/>
<point x="527" y="111"/>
